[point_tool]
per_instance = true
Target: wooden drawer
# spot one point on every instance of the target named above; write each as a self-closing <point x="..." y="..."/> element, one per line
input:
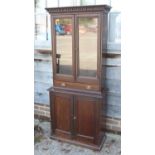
<point x="76" y="85"/>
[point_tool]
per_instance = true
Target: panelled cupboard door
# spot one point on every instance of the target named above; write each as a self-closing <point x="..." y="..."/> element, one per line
<point x="62" y="115"/>
<point x="87" y="119"/>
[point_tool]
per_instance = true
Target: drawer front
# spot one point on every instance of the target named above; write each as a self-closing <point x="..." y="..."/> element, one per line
<point x="76" y="85"/>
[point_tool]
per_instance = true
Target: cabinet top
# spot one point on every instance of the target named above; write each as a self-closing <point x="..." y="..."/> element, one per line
<point x="75" y="9"/>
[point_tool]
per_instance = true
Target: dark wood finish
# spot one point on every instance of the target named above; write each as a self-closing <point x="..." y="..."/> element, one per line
<point x="62" y="114"/>
<point x="85" y="118"/>
<point x="79" y="9"/>
<point x="75" y="142"/>
<point x="54" y="53"/>
<point x="83" y="86"/>
<point x="72" y="119"/>
<point x="77" y="102"/>
<point x="86" y="79"/>
<point x="83" y="11"/>
<point x="71" y="91"/>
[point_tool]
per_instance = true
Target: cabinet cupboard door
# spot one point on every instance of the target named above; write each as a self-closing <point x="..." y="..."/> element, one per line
<point x="62" y="112"/>
<point x="86" y="118"/>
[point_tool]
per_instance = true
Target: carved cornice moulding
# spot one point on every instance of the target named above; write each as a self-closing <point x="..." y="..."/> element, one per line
<point x="74" y="9"/>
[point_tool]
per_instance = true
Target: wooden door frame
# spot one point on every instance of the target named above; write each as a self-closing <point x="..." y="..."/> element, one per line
<point x="88" y="79"/>
<point x="56" y="76"/>
<point x="53" y="114"/>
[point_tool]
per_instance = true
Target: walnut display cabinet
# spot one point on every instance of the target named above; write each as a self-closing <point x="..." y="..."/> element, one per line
<point x="77" y="98"/>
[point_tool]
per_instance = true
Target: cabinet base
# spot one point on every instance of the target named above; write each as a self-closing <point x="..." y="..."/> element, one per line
<point x="90" y="146"/>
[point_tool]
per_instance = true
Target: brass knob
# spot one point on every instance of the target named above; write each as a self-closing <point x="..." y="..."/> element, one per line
<point x="63" y="84"/>
<point x="74" y="117"/>
<point x="88" y="87"/>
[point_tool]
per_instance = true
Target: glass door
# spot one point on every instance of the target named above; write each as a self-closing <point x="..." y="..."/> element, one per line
<point x="87" y="47"/>
<point x="63" y="47"/>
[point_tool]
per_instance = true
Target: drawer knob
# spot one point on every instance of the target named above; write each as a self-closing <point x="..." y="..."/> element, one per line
<point x="88" y="87"/>
<point x="63" y="84"/>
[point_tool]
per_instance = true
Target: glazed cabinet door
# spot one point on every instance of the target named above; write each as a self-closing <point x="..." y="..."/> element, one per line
<point x="88" y="52"/>
<point x="87" y="119"/>
<point x="63" y="47"/>
<point x="62" y="115"/>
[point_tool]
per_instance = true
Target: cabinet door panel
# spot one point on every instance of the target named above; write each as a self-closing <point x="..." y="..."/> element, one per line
<point x="88" y="29"/>
<point x="88" y="48"/>
<point x="85" y="118"/>
<point x="63" y="45"/>
<point x="62" y="114"/>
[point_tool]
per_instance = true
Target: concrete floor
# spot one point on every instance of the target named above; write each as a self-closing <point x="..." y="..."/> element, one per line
<point x="47" y="146"/>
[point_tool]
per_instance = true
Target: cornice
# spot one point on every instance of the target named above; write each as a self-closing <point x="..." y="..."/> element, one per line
<point x="74" y="9"/>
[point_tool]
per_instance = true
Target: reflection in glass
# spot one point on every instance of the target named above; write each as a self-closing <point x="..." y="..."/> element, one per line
<point x="88" y="46"/>
<point x="63" y="28"/>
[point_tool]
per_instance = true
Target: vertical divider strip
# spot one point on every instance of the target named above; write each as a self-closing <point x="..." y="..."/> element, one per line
<point x="74" y="116"/>
<point x="76" y="46"/>
<point x="73" y="48"/>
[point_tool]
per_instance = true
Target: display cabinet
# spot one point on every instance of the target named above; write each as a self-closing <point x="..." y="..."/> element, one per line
<point x="77" y="98"/>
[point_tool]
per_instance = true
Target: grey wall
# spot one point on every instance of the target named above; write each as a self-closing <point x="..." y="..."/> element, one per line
<point x="113" y="85"/>
<point x="42" y="77"/>
<point x="113" y="66"/>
